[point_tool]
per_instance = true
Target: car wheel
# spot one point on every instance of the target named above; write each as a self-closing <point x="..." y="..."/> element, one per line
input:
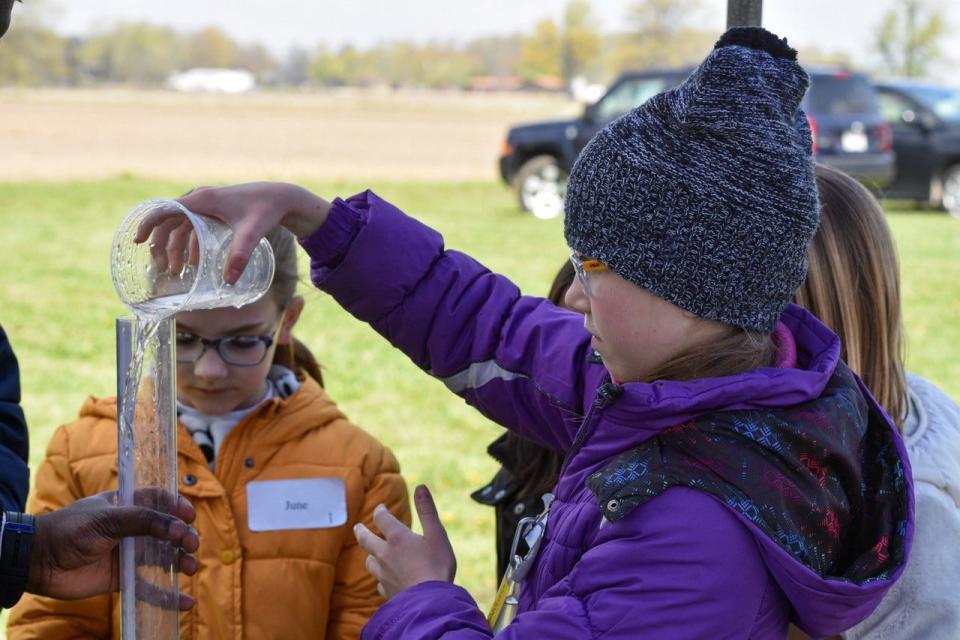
<point x="541" y="186"/>
<point x="951" y="191"/>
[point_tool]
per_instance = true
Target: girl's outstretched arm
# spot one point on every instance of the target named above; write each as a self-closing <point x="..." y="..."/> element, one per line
<point x="520" y="360"/>
<point x="252" y="210"/>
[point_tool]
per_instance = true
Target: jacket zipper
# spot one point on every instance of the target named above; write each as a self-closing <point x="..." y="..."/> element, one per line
<point x="606" y="393"/>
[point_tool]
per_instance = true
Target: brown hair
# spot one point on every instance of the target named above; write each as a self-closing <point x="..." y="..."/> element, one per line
<point x="538" y="468"/>
<point x="853" y="286"/>
<point x="561" y="282"/>
<point x="294" y="356"/>
<point x="737" y="351"/>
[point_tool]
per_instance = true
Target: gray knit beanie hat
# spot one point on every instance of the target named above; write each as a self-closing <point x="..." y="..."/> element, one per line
<point x="705" y="194"/>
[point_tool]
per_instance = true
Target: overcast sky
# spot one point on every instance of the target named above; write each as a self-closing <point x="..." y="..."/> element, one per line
<point x="280" y="24"/>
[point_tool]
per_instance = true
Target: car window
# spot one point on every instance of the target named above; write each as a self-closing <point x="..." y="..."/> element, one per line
<point x="841" y="94"/>
<point x="893" y="106"/>
<point x="942" y="101"/>
<point x="627" y="95"/>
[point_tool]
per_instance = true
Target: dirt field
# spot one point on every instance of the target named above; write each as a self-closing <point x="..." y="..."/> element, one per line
<point x="345" y="134"/>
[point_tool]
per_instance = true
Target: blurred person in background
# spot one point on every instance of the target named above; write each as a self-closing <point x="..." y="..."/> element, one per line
<point x="853" y="286"/>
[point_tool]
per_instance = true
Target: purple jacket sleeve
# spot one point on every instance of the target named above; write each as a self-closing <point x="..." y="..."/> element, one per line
<point x="663" y="572"/>
<point x="520" y="360"/>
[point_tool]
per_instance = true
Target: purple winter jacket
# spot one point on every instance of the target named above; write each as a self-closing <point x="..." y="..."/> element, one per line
<point x="682" y="564"/>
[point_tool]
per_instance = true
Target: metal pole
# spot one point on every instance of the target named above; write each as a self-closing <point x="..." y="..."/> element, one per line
<point x="744" y="13"/>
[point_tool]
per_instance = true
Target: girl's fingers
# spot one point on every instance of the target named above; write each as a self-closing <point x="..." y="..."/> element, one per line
<point x="194" y="254"/>
<point x="159" y="242"/>
<point x="177" y="246"/>
<point x="374" y="568"/>
<point x="158" y="248"/>
<point x="154" y="219"/>
<point x="245" y="240"/>
<point x="388" y="523"/>
<point x="217" y="202"/>
<point x="371" y="543"/>
<point x="427" y="512"/>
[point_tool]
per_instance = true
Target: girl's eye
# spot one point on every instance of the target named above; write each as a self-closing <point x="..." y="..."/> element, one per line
<point x="241" y="343"/>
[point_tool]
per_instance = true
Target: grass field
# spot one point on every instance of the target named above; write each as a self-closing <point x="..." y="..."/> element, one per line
<point x="58" y="305"/>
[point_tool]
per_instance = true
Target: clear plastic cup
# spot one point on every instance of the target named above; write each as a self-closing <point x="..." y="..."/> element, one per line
<point x="148" y="289"/>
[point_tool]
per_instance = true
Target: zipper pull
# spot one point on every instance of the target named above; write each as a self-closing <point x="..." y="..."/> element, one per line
<point x="606" y="392"/>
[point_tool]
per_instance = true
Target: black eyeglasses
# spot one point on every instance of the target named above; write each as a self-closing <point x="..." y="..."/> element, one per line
<point x="239" y="351"/>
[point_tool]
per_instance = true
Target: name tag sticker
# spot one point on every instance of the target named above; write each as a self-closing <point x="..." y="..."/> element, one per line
<point x="311" y="503"/>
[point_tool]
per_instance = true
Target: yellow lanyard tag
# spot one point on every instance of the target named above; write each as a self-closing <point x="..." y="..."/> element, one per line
<point x="497" y="606"/>
<point x="504" y="607"/>
<point x="505" y="604"/>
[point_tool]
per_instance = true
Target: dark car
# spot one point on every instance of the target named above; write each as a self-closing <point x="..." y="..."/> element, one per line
<point x="537" y="158"/>
<point x="849" y="133"/>
<point x="926" y="138"/>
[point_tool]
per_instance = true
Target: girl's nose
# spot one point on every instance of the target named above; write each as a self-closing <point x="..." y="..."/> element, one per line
<point x="210" y="365"/>
<point x="576" y="298"/>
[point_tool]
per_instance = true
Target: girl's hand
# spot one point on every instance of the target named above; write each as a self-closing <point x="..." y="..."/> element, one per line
<point x="252" y="210"/>
<point x="404" y="559"/>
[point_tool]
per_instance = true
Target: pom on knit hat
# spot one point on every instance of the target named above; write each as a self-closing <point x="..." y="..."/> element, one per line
<point x="705" y="194"/>
<point x="755" y="38"/>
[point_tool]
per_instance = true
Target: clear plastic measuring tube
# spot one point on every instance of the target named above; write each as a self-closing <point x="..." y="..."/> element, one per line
<point x="146" y="383"/>
<point x="147" y="468"/>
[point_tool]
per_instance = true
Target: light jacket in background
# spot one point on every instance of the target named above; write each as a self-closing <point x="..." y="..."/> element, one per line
<point x="925" y="603"/>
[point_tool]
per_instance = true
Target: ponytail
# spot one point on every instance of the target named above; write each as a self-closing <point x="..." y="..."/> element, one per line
<point x="295" y="355"/>
<point x="299" y="359"/>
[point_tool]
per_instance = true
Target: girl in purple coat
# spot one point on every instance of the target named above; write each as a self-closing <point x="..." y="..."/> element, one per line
<point x="724" y="472"/>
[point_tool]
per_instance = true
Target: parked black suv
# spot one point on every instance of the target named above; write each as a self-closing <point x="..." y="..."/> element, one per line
<point x="849" y="133"/>
<point x="926" y="139"/>
<point x="537" y="158"/>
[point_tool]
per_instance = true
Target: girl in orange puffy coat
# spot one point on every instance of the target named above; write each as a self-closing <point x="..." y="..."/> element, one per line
<point x="276" y="472"/>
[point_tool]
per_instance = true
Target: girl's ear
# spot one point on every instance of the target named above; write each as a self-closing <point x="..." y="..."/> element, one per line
<point x="294" y="309"/>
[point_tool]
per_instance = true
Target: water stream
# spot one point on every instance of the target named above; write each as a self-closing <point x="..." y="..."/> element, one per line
<point x="147" y="471"/>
